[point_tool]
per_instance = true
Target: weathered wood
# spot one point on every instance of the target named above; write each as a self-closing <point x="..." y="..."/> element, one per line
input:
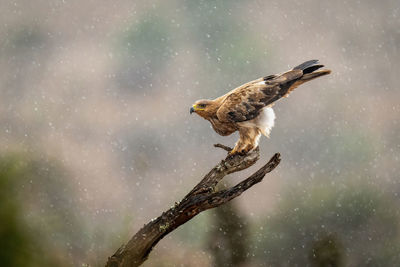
<point x="202" y="197"/>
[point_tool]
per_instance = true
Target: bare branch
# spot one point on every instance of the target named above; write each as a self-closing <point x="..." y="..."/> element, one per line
<point x="227" y="148"/>
<point x="202" y="197"/>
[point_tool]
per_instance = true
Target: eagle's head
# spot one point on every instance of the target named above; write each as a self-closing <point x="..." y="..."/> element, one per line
<point x="203" y="108"/>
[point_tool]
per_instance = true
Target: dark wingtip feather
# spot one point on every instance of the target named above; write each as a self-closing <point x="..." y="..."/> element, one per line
<point x="312" y="68"/>
<point x="306" y="64"/>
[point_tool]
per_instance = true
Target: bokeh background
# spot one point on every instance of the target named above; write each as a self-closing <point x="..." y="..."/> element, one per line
<point x="96" y="137"/>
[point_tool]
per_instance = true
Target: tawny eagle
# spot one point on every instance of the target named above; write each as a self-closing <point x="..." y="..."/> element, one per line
<point x="248" y="108"/>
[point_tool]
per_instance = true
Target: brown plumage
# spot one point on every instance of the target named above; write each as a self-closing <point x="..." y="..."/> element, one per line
<point x="248" y="108"/>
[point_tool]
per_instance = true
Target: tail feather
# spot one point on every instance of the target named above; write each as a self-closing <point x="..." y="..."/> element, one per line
<point x="306" y="64"/>
<point x="291" y="79"/>
<point x="309" y="76"/>
<point x="312" y="68"/>
<point x="309" y="69"/>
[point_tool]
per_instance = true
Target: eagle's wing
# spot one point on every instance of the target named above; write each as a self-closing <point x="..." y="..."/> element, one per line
<point x="245" y="102"/>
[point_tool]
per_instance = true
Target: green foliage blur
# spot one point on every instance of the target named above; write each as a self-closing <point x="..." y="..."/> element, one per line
<point x="323" y="225"/>
<point x="228" y="239"/>
<point x="21" y="239"/>
<point x="41" y="220"/>
<point x="143" y="50"/>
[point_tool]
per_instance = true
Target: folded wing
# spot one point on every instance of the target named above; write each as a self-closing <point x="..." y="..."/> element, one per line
<point x="245" y="102"/>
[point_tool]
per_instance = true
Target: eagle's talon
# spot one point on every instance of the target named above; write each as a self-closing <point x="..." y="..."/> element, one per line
<point x="242" y="152"/>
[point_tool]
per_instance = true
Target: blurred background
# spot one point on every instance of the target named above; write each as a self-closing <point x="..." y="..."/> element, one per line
<point x="96" y="137"/>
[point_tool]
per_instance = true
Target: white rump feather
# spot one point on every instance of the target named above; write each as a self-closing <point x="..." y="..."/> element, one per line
<point x="265" y="120"/>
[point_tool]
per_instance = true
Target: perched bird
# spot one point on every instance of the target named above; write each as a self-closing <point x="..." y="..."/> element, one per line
<point x="248" y="108"/>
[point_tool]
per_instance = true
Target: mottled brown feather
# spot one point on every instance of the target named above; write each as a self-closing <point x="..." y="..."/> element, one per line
<point x="245" y="102"/>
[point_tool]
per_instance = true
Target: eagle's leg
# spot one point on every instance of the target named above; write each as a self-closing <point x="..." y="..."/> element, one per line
<point x="248" y="140"/>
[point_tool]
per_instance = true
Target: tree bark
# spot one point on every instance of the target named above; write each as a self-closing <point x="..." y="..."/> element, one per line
<point x="202" y="197"/>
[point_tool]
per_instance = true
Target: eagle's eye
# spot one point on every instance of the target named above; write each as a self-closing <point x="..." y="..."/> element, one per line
<point x="202" y="105"/>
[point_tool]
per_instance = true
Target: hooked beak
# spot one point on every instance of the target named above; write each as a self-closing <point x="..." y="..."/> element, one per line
<point x="192" y="110"/>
